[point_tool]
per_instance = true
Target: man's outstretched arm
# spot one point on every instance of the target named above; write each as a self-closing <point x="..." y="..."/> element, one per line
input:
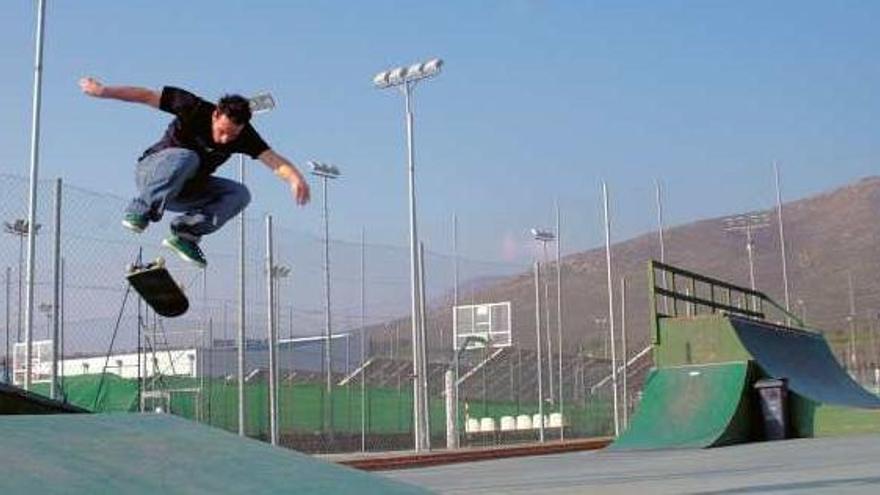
<point x="93" y="87"/>
<point x="288" y="172"/>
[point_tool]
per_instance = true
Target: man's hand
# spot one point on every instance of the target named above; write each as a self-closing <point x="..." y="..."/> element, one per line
<point x="300" y="189"/>
<point x="133" y="94"/>
<point x="288" y="172"/>
<point x="91" y="87"/>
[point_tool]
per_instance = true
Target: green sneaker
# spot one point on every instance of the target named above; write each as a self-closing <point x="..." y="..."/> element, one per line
<point x="186" y="249"/>
<point x="135" y="223"/>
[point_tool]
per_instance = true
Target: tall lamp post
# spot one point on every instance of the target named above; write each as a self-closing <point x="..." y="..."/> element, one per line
<point x="543" y="237"/>
<point x="32" y="194"/>
<point x="748" y="223"/>
<point x="260" y="103"/>
<point x="326" y="172"/>
<point x="406" y="78"/>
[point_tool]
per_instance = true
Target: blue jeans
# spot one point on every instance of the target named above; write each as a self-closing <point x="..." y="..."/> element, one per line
<point x="162" y="183"/>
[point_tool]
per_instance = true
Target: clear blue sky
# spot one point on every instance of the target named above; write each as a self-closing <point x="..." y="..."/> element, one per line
<point x="537" y="100"/>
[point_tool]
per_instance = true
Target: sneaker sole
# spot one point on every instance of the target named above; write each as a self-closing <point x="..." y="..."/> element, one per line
<point x="183" y="256"/>
<point x="132" y="227"/>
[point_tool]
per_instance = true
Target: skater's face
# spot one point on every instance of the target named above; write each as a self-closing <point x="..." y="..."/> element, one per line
<point x="223" y="129"/>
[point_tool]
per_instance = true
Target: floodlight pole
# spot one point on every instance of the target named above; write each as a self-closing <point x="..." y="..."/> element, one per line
<point x="405" y="78"/>
<point x="660" y="233"/>
<point x="326" y="172"/>
<point x="7" y="364"/>
<point x="782" y="243"/>
<point x="454" y="259"/>
<point x="624" y="352"/>
<point x="748" y="223"/>
<point x="560" y="382"/>
<point x="328" y="349"/>
<point x="414" y="298"/>
<point x="423" y="347"/>
<point x="538" y="351"/>
<point x="241" y="307"/>
<point x="547" y="324"/>
<point x="544" y="237"/>
<point x="32" y="207"/>
<point x="363" y="341"/>
<point x="56" y="290"/>
<point x="259" y="104"/>
<point x="271" y="331"/>
<point x="611" y="307"/>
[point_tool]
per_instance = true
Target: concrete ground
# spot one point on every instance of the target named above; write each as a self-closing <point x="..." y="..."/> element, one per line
<point x="824" y="465"/>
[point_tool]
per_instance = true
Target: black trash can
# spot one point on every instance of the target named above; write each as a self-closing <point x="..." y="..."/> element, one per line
<point x="773" y="396"/>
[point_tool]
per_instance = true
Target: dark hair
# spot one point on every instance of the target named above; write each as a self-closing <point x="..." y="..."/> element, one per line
<point x="236" y="107"/>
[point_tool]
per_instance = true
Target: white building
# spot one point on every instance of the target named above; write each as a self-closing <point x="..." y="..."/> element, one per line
<point x="172" y="362"/>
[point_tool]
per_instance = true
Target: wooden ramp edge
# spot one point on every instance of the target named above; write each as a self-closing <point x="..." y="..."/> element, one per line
<point x="386" y="462"/>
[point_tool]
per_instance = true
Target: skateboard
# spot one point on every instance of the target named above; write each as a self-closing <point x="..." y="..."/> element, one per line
<point x="153" y="282"/>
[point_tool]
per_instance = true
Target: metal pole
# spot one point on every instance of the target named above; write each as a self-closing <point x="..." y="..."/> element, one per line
<point x="328" y="349"/>
<point x="201" y="354"/>
<point x="140" y="352"/>
<point x="547" y="325"/>
<point x="19" y="315"/>
<point x="454" y="259"/>
<point x="851" y="318"/>
<point x="7" y="363"/>
<point x="623" y="350"/>
<point x="423" y="344"/>
<point x="538" y="350"/>
<point x="418" y="435"/>
<point x="611" y="308"/>
<point x="363" y="342"/>
<point x="782" y="243"/>
<point x="56" y="288"/>
<point x="61" y="326"/>
<point x="660" y="222"/>
<point x="454" y="312"/>
<point x="32" y="208"/>
<point x="451" y="410"/>
<point x="749" y="251"/>
<point x="660" y="233"/>
<point x="273" y="382"/>
<point x="241" y="308"/>
<point x="561" y="380"/>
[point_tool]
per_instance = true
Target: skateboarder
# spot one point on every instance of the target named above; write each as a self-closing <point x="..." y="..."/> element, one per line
<point x="176" y="173"/>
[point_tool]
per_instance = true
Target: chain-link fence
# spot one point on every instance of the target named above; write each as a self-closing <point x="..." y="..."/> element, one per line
<point x="118" y="355"/>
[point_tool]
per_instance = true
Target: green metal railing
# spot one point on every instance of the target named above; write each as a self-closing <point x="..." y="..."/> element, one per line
<point x="671" y="287"/>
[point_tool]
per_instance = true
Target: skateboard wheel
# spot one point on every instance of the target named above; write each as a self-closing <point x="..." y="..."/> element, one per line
<point x="160" y="262"/>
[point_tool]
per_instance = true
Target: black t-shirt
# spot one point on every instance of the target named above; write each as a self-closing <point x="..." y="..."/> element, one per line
<point x="191" y="129"/>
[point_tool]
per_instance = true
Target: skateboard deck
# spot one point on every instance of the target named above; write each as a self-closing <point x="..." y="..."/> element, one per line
<point x="153" y="282"/>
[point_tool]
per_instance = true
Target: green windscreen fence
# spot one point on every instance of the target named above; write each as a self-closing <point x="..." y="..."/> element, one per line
<point x="301" y="406"/>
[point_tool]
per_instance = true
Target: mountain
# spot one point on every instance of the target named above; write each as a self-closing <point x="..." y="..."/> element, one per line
<point x="829" y="237"/>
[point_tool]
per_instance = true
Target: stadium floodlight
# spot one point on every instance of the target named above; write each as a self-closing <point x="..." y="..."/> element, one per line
<point x="262" y="102"/>
<point x="543" y="235"/>
<point x="401" y="75"/>
<point x="406" y="78"/>
<point x="324" y="170"/>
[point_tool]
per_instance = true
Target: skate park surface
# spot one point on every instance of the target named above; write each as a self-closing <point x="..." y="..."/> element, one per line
<point x="839" y="465"/>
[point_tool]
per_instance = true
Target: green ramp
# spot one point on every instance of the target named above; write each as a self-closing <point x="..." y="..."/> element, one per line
<point x="805" y="360"/>
<point x="692" y="407"/>
<point x="159" y="453"/>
